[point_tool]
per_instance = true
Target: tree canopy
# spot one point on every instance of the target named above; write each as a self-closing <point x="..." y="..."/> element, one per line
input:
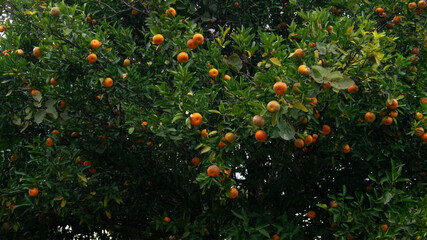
<point x="210" y="119"/>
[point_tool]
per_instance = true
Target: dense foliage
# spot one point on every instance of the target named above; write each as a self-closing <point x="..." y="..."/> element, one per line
<point x="282" y="120"/>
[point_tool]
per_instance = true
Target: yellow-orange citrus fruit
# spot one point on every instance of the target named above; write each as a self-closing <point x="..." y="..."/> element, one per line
<point x="299" y="143"/>
<point x="95" y="44"/>
<point x="300" y="53"/>
<point x="353" y="89"/>
<point x="393" y="105"/>
<point x="204" y="133"/>
<point x="198" y="38"/>
<point x="213" y="171"/>
<point x="308" y="140"/>
<point x="419" y="131"/>
<point x="171" y="12"/>
<point x="49" y="142"/>
<point x="33" y="192"/>
<point x="273" y="106"/>
<point x="230" y="137"/>
<point x="192" y="44"/>
<point x="213" y="73"/>
<point x="126" y="63"/>
<point x="227" y="77"/>
<point x="55" y="11"/>
<point x="233" y="193"/>
<point x="37" y="52"/>
<point x="167" y="219"/>
<point x="346" y="148"/>
<point x="370" y="117"/>
<point x="280" y="88"/>
<point x="158" y="39"/>
<point x="387" y="120"/>
<point x="182" y="57"/>
<point x="195" y="161"/>
<point x="258" y="121"/>
<point x="108" y="82"/>
<point x="196" y="119"/>
<point x="261" y="136"/>
<point x="92" y="58"/>
<point x="304" y="70"/>
<point x="326" y="130"/>
<point x="311" y="214"/>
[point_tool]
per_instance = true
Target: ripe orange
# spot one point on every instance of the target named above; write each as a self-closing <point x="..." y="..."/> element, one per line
<point x="333" y="204"/>
<point x="423" y="100"/>
<point x="13" y="158"/>
<point x="149" y="143"/>
<point x="315" y="136"/>
<point x="87" y="163"/>
<point x="35" y="92"/>
<point x="167" y="219"/>
<point x="397" y="19"/>
<point x="326" y="130"/>
<point x="37" y="52"/>
<point x="233" y="193"/>
<point x="273" y="106"/>
<point x="213" y="73"/>
<point x="299" y="143"/>
<point x="221" y="144"/>
<point x="20" y="52"/>
<point x="308" y="140"/>
<point x="61" y="104"/>
<point x="304" y="70"/>
<point x="313" y="101"/>
<point x="295" y="87"/>
<point x="227" y="77"/>
<point x="327" y="86"/>
<point x="393" y="104"/>
<point x="192" y="44"/>
<point x="311" y="214"/>
<point x="49" y="142"/>
<point x="198" y="38"/>
<point x="422" y="4"/>
<point x="213" y="171"/>
<point x="350" y="237"/>
<point x="353" y="89"/>
<point x="419" y="131"/>
<point x="170" y="12"/>
<point x="182" y="57"/>
<point x="2" y="28"/>
<point x="418" y="115"/>
<point x="158" y="39"/>
<point x="384" y="227"/>
<point x="387" y="120"/>
<point x="144" y="123"/>
<point x="55" y="132"/>
<point x="74" y="134"/>
<point x="313" y="44"/>
<point x="280" y="88"/>
<point x="424" y="137"/>
<point x="55" y="11"/>
<point x="92" y="58"/>
<point x="346" y="148"/>
<point x="33" y="192"/>
<point x="196" y="119"/>
<point x="11" y="206"/>
<point x="230" y="137"/>
<point x="54" y="82"/>
<point x="95" y="44"/>
<point x="275" y="237"/>
<point x="316" y="114"/>
<point x="370" y="117"/>
<point x="415" y="51"/>
<point x="126" y="63"/>
<point x="300" y="53"/>
<point x="379" y="11"/>
<point x="261" y="136"/>
<point x="393" y="114"/>
<point x="108" y="82"/>
<point x="195" y="161"/>
<point x="92" y="170"/>
<point x="258" y="121"/>
<point x="204" y="133"/>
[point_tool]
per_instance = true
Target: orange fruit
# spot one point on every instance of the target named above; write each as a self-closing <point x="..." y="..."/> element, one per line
<point x="415" y="51"/>
<point x="204" y="133"/>
<point x="315" y="136"/>
<point x="353" y="89"/>
<point x="170" y="12"/>
<point x="350" y="237"/>
<point x="167" y="219"/>
<point x="126" y="63"/>
<point x="54" y="82"/>
<point x="327" y="86"/>
<point x="273" y="106"/>
<point x="92" y="170"/>
<point x="55" y="11"/>
<point x="387" y="120"/>
<point x="280" y="88"/>
<point x="230" y="137"/>
<point x="195" y="161"/>
<point x="196" y="119"/>
<point x="384" y="227"/>
<point x="393" y="114"/>
<point x="311" y="214"/>
<point x="33" y="192"/>
<point x="393" y="105"/>
<point x="304" y="70"/>
<point x="213" y="73"/>
<point x="379" y="11"/>
<point x="326" y="130"/>
<point x="149" y="143"/>
<point x="221" y="144"/>
<point x="213" y="171"/>
<point x="182" y="57"/>
<point x="37" y="52"/>
<point x="20" y="52"/>
<point x="295" y="88"/>
<point x="308" y="140"/>
<point x="275" y="237"/>
<point x="134" y="12"/>
<point x="144" y="123"/>
<point x="92" y="58"/>
<point x="418" y="115"/>
<point x="414" y="59"/>
<point x="55" y="132"/>
<point x="424" y="137"/>
<point x="313" y="44"/>
<point x="227" y="77"/>
<point x="11" y="206"/>
<point x="108" y="82"/>
<point x="422" y="4"/>
<point x="198" y="38"/>
<point x="74" y="134"/>
<point x="61" y="104"/>
<point x="192" y="44"/>
<point x="397" y="19"/>
<point x="13" y="158"/>
<point x="299" y="143"/>
<point x="346" y="148"/>
<point x="370" y="117"/>
<point x="330" y="29"/>
<point x="258" y="121"/>
<point x="313" y="101"/>
<point x="316" y="114"/>
<point x="49" y="142"/>
<point x="95" y="44"/>
<point x="87" y="163"/>
<point x="333" y="204"/>
<point x="423" y="100"/>
<point x="233" y="193"/>
<point x="261" y="136"/>
<point x="300" y="53"/>
<point x="419" y="131"/>
<point x="158" y="39"/>
<point x="2" y="28"/>
<point x="35" y="92"/>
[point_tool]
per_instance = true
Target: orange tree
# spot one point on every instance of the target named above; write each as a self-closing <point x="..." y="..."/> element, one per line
<point x="213" y="119"/>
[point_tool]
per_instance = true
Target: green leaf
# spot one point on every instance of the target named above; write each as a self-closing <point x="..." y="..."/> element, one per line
<point x="264" y="232"/>
<point x="39" y="116"/>
<point x="300" y="106"/>
<point x="82" y="177"/>
<point x="234" y="62"/>
<point x="131" y="130"/>
<point x="275" y="61"/>
<point x="286" y="131"/>
<point x="343" y="83"/>
<point x="205" y="149"/>
<point x="178" y="117"/>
